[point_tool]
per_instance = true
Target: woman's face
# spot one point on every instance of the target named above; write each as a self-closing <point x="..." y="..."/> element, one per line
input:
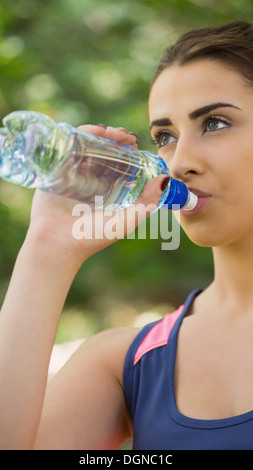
<point x="201" y="117"/>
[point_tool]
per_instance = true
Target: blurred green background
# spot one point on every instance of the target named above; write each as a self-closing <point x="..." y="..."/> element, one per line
<point x="91" y="61"/>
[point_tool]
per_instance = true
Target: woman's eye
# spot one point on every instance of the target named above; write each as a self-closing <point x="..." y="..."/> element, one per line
<point x="164" y="138"/>
<point x="212" y="124"/>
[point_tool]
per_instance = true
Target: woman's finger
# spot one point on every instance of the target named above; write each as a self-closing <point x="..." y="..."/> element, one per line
<point x="117" y="134"/>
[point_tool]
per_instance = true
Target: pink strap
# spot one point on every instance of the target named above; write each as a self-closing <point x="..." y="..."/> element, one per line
<point x="158" y="335"/>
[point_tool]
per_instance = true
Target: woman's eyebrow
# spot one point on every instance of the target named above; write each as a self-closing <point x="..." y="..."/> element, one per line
<point x="209" y="107"/>
<point x="194" y="114"/>
<point x="160" y="123"/>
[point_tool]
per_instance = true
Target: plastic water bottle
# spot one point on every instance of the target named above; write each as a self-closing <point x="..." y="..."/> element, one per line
<point x="37" y="152"/>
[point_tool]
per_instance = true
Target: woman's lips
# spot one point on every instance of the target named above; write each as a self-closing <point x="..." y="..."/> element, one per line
<point x="203" y="199"/>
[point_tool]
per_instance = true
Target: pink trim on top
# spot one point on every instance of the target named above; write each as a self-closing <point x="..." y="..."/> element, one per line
<point x="158" y="335"/>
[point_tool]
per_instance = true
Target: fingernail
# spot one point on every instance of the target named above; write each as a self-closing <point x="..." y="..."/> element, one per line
<point x="135" y="135"/>
<point x="165" y="183"/>
<point x="124" y="130"/>
<point x="101" y="125"/>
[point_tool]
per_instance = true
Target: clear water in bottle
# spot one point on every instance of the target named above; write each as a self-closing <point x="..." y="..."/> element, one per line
<point x="37" y="152"/>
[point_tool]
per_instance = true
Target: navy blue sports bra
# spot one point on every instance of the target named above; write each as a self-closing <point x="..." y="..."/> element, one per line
<point x="149" y="390"/>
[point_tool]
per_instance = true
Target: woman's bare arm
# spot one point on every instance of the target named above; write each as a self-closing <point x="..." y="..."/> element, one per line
<point x="28" y="324"/>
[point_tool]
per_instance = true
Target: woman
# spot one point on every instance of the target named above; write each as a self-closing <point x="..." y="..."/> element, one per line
<point x="187" y="381"/>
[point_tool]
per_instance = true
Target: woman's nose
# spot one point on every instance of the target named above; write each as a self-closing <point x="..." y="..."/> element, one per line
<point x="186" y="161"/>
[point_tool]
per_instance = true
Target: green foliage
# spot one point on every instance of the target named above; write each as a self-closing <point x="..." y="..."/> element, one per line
<point x="92" y="61"/>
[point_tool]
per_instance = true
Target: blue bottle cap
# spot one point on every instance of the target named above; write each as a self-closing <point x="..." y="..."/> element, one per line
<point x="178" y="194"/>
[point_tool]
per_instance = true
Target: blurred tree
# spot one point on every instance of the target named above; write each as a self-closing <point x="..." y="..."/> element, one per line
<point x="92" y="61"/>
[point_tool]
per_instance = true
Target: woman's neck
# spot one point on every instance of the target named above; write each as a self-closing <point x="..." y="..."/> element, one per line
<point x="232" y="288"/>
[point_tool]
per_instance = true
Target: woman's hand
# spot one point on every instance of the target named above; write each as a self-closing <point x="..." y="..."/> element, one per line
<point x="52" y="219"/>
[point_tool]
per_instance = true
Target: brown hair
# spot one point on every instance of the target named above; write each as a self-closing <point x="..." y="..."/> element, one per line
<point x="231" y="43"/>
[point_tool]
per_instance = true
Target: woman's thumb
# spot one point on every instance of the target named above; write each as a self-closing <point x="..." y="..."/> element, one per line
<point x="153" y="191"/>
<point x="146" y="203"/>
